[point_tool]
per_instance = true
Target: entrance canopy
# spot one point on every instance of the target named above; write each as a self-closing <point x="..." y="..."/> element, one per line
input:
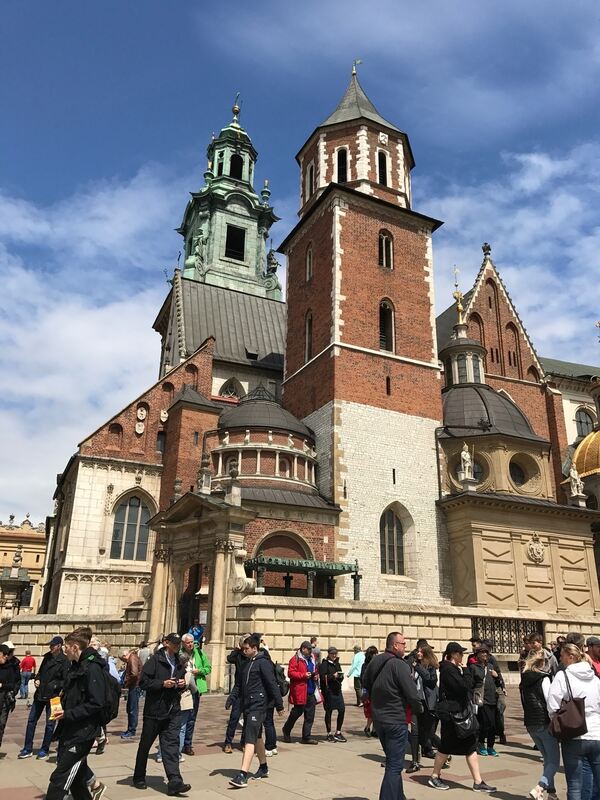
<point x="306" y="566"/>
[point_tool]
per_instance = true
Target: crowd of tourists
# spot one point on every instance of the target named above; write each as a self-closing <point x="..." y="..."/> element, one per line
<point x="412" y="702"/>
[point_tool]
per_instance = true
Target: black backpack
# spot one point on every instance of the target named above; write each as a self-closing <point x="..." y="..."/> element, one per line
<point x="282" y="682"/>
<point x="112" y="696"/>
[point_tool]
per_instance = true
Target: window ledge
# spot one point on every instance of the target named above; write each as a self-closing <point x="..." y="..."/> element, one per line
<point x="398" y="578"/>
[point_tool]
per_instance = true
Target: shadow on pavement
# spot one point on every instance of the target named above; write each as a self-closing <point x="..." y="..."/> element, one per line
<point x="226" y="773"/>
<point x="379" y="759"/>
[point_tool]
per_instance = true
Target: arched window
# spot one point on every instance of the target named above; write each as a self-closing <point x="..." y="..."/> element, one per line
<point x="448" y="372"/>
<point x="310" y="182"/>
<point x="115" y="436"/>
<point x="130" y="531"/>
<point x="461" y="362"/>
<point x="584" y="422"/>
<point x="476" y="369"/>
<point x="168" y="392"/>
<point x="236" y="166"/>
<point x="231" y="463"/>
<point x="285" y="468"/>
<point x="382" y="168"/>
<point x="308" y="337"/>
<point x="220" y="163"/>
<point x="512" y="344"/>
<point x="232" y="388"/>
<point x="533" y="375"/>
<point x="309" y="262"/>
<point x="592" y="502"/>
<point x="386" y="250"/>
<point x="476" y="329"/>
<point x="161" y="438"/>
<point x="386" y="326"/>
<point x="342" y="165"/>
<point x="391" y="539"/>
<point x="191" y="375"/>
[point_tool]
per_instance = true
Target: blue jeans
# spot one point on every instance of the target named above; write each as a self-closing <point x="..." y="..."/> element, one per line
<point x="191" y="722"/>
<point x="234" y="718"/>
<point x="550" y="752"/>
<point x="37" y="707"/>
<point x="578" y="755"/>
<point x="588" y="785"/>
<point x="133" y="705"/>
<point x="24" y="690"/>
<point x="394" y="740"/>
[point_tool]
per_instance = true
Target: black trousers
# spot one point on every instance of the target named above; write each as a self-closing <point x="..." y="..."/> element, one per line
<point x="71" y="773"/>
<point x="6" y="707"/>
<point x="488" y="725"/>
<point x="309" y="717"/>
<point x="167" y="731"/>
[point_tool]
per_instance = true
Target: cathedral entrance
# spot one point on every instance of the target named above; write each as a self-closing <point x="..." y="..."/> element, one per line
<point x="193" y="602"/>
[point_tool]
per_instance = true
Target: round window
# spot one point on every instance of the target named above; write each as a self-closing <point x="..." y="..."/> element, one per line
<point x="517" y="474"/>
<point x="478" y="471"/>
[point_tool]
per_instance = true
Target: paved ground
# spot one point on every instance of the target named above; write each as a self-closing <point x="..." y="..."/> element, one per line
<point x="350" y="771"/>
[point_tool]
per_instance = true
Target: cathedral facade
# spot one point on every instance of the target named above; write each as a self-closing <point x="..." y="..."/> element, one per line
<point x="340" y="460"/>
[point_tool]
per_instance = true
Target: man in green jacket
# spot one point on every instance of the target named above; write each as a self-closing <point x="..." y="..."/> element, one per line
<point x="201" y="669"/>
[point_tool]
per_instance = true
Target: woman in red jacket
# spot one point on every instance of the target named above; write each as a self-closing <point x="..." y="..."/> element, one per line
<point x="303" y="676"/>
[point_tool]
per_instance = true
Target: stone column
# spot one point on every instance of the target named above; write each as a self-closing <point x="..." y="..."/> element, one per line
<point x="287" y="583"/>
<point x="310" y="583"/>
<point x="260" y="576"/>
<point x="162" y="557"/>
<point x="356" y="579"/>
<point x="331" y="587"/>
<point x="218" y="609"/>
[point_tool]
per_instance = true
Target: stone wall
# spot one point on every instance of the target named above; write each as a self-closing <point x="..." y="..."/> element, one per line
<point x="285" y="622"/>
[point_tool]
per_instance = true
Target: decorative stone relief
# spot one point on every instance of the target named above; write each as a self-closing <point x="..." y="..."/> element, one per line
<point x="108" y="500"/>
<point x="141" y="413"/>
<point x="138" y="477"/>
<point x="139" y="428"/>
<point x="164" y="415"/>
<point x="536" y="549"/>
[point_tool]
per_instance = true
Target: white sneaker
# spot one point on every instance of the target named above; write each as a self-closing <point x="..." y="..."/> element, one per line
<point x="272" y="752"/>
<point x="537" y="793"/>
<point x="181" y="757"/>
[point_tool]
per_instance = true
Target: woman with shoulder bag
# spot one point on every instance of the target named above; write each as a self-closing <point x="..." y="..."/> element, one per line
<point x="534" y="690"/>
<point x="577" y="681"/>
<point x="459" y="723"/>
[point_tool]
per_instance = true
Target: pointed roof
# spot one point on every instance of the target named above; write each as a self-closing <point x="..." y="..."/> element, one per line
<point x="191" y="397"/>
<point x="356" y="105"/>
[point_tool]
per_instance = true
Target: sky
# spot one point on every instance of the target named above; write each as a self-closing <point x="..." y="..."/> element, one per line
<point x="107" y="110"/>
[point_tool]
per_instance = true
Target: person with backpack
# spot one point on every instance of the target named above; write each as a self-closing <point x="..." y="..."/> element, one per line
<point x="304" y="681"/>
<point x="238" y="659"/>
<point x="48" y="683"/>
<point x="255" y="687"/>
<point x="163" y="679"/>
<point x="9" y="684"/>
<point x="486" y="700"/>
<point x="86" y="704"/>
<point x="331" y="677"/>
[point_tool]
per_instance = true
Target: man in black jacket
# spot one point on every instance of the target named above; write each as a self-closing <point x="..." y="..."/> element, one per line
<point x="83" y="702"/>
<point x="255" y="687"/>
<point x="9" y="683"/>
<point x="238" y="659"/>
<point x="391" y="688"/>
<point x="163" y="681"/>
<point x="48" y="683"/>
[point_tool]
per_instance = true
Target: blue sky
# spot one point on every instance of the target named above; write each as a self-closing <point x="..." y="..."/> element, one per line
<point x="106" y="113"/>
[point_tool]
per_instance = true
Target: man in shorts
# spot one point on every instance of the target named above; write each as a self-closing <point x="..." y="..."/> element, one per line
<point x="254" y="687"/>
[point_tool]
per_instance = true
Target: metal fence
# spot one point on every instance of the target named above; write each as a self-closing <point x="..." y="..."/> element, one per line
<point x="506" y="634"/>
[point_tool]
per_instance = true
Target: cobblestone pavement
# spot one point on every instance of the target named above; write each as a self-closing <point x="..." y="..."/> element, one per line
<point x="350" y="771"/>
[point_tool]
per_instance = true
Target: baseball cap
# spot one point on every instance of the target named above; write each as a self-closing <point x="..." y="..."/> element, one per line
<point x="56" y="640"/>
<point x="592" y="640"/>
<point x="455" y="647"/>
<point x="9" y="644"/>
<point x="306" y="644"/>
<point x="173" y="638"/>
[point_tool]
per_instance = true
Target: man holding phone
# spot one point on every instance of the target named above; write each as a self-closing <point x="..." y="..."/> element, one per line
<point x="303" y="675"/>
<point x="163" y="679"/>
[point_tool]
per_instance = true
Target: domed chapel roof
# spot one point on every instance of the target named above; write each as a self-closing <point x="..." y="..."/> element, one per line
<point x="587" y="455"/>
<point x="260" y="409"/>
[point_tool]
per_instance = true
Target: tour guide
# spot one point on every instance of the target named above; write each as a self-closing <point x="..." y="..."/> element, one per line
<point x="391" y="688"/>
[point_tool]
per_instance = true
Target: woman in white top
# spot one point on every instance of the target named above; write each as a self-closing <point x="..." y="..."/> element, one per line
<point x="586" y="748"/>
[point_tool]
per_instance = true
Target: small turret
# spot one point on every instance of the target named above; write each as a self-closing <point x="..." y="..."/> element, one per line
<point x="463" y="358"/>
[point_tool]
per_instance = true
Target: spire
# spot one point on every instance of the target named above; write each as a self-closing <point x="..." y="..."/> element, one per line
<point x="355" y="105"/>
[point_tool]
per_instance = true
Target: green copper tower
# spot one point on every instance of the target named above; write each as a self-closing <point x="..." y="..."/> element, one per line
<point x="226" y="224"/>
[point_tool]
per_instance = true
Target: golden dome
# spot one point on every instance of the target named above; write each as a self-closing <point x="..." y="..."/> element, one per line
<point x="587" y="455"/>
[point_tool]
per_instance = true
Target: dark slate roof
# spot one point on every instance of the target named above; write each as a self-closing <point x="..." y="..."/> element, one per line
<point x="471" y="404"/>
<point x="192" y="397"/>
<point x="568" y="369"/>
<point x="241" y="323"/>
<point x="286" y="497"/>
<point x="354" y="105"/>
<point x="259" y="409"/>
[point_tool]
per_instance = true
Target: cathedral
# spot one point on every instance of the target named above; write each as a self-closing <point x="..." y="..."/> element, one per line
<point x="338" y="462"/>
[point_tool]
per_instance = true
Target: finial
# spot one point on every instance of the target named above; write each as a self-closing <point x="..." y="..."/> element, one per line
<point x="355" y="64"/>
<point x="487" y="250"/>
<point x="236" y="109"/>
<point x="265" y="193"/>
<point x="458" y="296"/>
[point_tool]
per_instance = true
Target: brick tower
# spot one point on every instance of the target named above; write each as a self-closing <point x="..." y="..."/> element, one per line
<point x="361" y="360"/>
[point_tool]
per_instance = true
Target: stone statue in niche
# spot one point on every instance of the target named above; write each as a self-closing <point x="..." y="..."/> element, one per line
<point x="290" y="440"/>
<point x="199" y="251"/>
<point x="575" y="482"/>
<point x="226" y="438"/>
<point x="247" y="437"/>
<point x="270" y="437"/>
<point x="142" y="413"/>
<point x="18" y="556"/>
<point x="466" y="462"/>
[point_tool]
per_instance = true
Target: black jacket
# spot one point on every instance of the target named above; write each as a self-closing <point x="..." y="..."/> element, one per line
<point x="535" y="710"/>
<point x="429" y="680"/>
<point x="9" y="682"/>
<point x="255" y="685"/>
<point x="455" y="686"/>
<point x="14" y="664"/>
<point x="485" y="677"/>
<point x="238" y="659"/>
<point x="331" y="676"/>
<point x="51" y="675"/>
<point x="391" y="690"/>
<point x="83" y="698"/>
<point x="160" y="702"/>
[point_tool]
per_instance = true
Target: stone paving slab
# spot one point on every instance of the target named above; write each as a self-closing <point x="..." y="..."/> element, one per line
<point x="350" y="771"/>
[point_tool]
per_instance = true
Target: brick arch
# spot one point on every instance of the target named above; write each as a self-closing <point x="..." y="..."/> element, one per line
<point x="283" y="544"/>
<point x="512" y="351"/>
<point x="533" y="375"/>
<point x="476" y="328"/>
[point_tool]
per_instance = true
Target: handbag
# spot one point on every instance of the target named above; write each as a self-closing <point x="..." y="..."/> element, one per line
<point x="317" y="695"/>
<point x="569" y="720"/>
<point x="465" y="722"/>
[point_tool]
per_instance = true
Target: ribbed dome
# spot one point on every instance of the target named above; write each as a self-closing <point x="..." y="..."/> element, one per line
<point x="260" y="409"/>
<point x="587" y="455"/>
<point x="484" y="412"/>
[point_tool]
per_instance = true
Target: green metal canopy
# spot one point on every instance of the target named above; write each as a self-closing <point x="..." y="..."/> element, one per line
<point x="274" y="564"/>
